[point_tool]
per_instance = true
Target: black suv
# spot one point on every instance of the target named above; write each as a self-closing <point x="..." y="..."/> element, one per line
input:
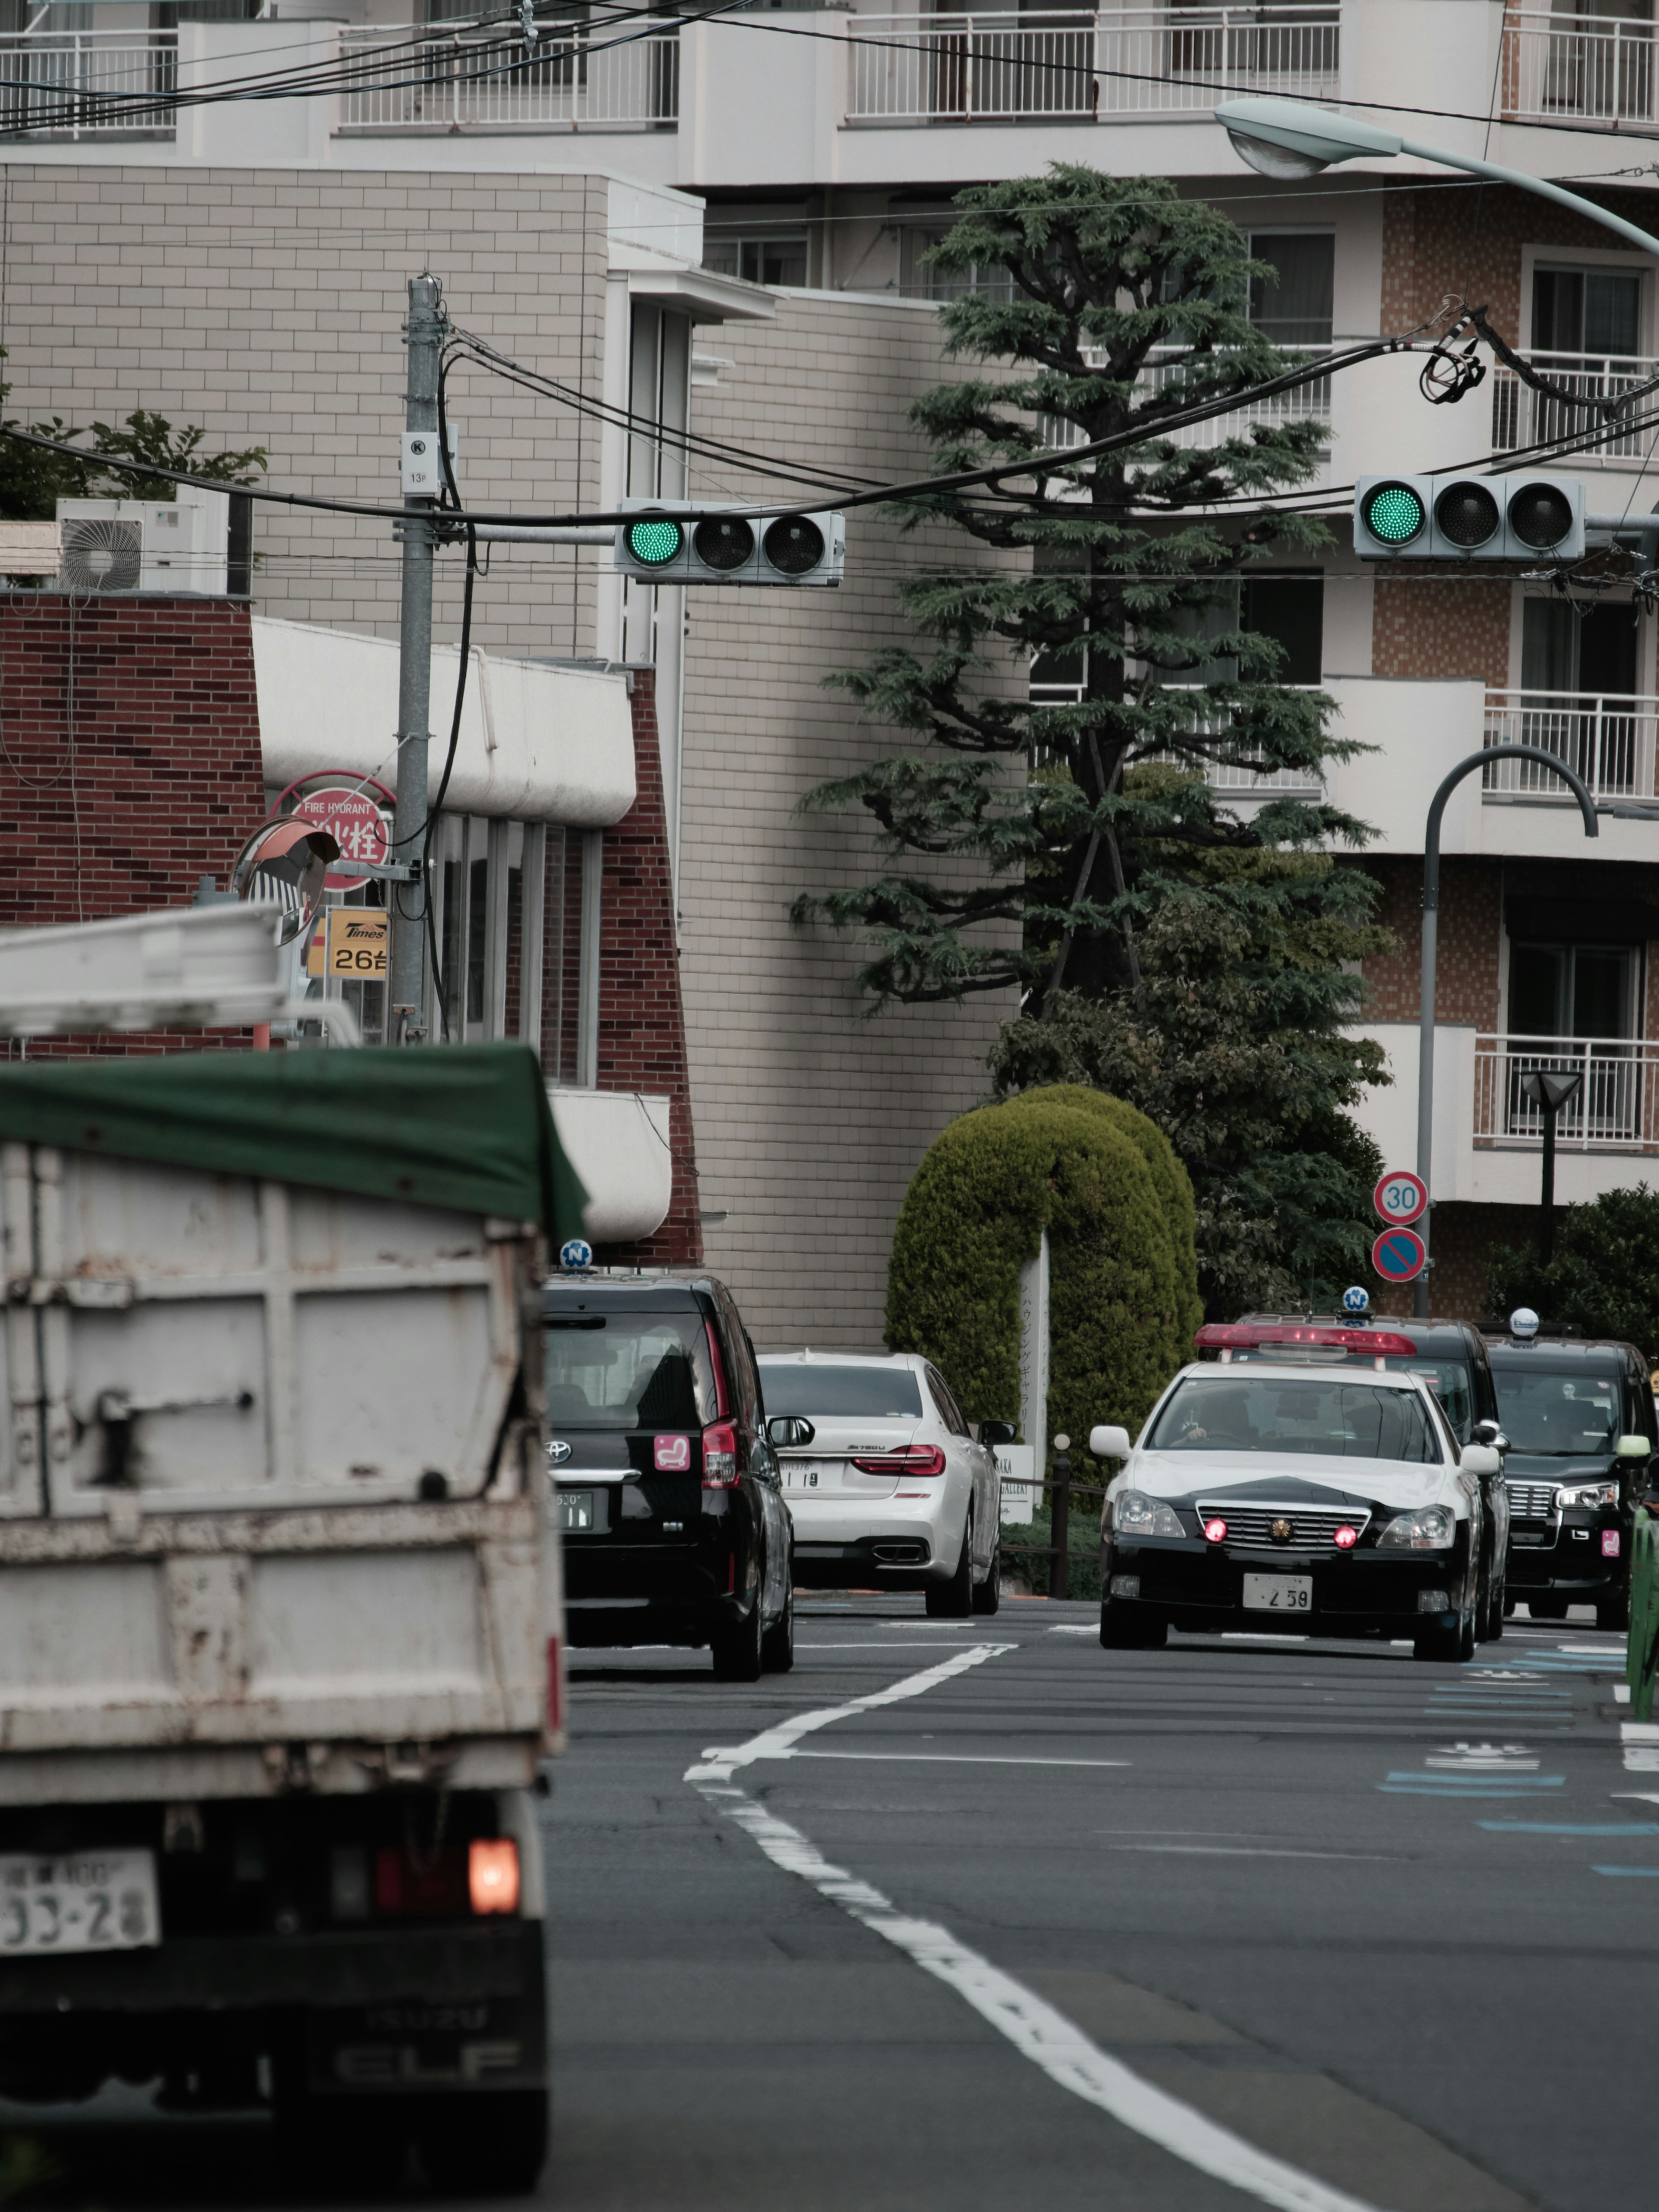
<point x="1452" y="1358"/>
<point x="675" y="1526"/>
<point x="1579" y="1417"/>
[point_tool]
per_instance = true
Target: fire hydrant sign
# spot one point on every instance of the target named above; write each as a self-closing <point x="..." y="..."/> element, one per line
<point x="1400" y="1198"/>
<point x="355" y="822"/>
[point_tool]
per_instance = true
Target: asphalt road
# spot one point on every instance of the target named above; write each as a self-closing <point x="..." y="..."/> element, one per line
<point x="1378" y="1932"/>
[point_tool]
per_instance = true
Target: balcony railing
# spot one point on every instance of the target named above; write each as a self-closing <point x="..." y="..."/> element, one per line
<point x="1310" y="403"/>
<point x="1522" y="417"/>
<point x="1585" y="68"/>
<point x="1607" y="739"/>
<point x="87" y="84"/>
<point x="1614" y="1106"/>
<point x="575" y="81"/>
<point x="1084" y="65"/>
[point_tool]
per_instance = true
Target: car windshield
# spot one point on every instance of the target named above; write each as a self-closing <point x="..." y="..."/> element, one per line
<point x="622" y="1371"/>
<point x="1553" y="1410"/>
<point x="1321" y="1414"/>
<point x="800" y="1386"/>
<point x="1451" y="1383"/>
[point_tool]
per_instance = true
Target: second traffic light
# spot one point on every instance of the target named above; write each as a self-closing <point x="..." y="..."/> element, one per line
<point x="1469" y="518"/>
<point x="673" y="542"/>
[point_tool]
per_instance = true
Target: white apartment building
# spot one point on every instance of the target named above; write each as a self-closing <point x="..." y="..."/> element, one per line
<point x="722" y="221"/>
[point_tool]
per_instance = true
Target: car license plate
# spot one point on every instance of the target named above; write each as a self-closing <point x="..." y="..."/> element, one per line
<point x="1279" y="1592"/>
<point x="578" y="1511"/>
<point x="87" y="1901"/>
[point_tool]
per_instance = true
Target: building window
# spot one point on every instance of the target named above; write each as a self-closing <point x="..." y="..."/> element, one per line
<point x="1297" y="310"/>
<point x="919" y="280"/>
<point x="775" y="258"/>
<point x="1567" y="991"/>
<point x="1594" y="312"/>
<point x="1588" y="651"/>
<point x="1290" y="610"/>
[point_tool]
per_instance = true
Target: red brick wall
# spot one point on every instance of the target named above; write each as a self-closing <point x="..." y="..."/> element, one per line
<point x="1466" y="969"/>
<point x="1427" y="624"/>
<point x="129" y="764"/>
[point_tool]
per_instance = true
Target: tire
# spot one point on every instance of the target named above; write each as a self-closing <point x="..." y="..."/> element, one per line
<point x="1502" y="1607"/>
<point x="778" y="1642"/>
<point x="987" y="1595"/>
<point x="954" y="1600"/>
<point x="1614" y="1612"/>
<point x="737" y="1650"/>
<point x="484" y="2145"/>
<point x="1488" y="1616"/>
<point x="1126" y="1630"/>
<point x="1548" y="1609"/>
<point x="1453" y="1646"/>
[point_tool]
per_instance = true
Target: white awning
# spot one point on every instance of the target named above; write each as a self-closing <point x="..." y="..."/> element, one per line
<point x="617" y="1142"/>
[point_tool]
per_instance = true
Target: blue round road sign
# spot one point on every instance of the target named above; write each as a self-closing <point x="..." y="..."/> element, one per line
<point x="1399" y="1255"/>
<point x="1357" y="1299"/>
<point x="578" y="1253"/>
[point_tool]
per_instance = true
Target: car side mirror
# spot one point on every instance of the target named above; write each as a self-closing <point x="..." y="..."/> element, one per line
<point x="1480" y="1460"/>
<point x="997" y="1432"/>
<point x="1109" y="1443"/>
<point x="787" y="1431"/>
<point x="1486" y="1432"/>
<point x="1632" y="1448"/>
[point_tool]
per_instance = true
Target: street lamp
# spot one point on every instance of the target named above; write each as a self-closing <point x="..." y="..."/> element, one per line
<point x="1551" y="1092"/>
<point x="1289" y="138"/>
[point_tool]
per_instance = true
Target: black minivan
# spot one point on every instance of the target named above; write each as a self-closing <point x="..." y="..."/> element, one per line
<point x="669" y="1497"/>
<point x="1579" y="1417"/>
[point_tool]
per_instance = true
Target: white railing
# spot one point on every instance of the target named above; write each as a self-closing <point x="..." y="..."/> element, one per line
<point x="1614" y="1104"/>
<point x="87" y="84"/>
<point x="1163" y="375"/>
<point x="1121" y="61"/>
<point x="1588" y="69"/>
<point x="1607" y="739"/>
<point x="1220" y="776"/>
<point x="1522" y="417"/>
<point x="573" y="81"/>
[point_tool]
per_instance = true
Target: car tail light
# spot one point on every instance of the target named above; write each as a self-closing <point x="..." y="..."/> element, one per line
<point x="1215" y="1532"/>
<point x="1250" y="1335"/>
<point x="429" y="1886"/>
<point x="555" y="1687"/>
<point x="1346" y="1539"/>
<point x="719" y="1457"/>
<point x="492" y="1875"/>
<point x="903" y="1459"/>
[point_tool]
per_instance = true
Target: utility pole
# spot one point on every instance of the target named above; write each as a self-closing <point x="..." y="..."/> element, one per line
<point x="423" y="338"/>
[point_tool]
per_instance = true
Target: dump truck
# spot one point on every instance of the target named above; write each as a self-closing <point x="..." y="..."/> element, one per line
<point x="281" y="1638"/>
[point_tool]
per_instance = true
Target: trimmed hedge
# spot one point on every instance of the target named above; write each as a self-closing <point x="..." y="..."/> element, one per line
<point x="1118" y="1208"/>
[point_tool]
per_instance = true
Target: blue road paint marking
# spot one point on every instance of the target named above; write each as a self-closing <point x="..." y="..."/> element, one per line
<point x="1567" y="1828"/>
<point x="1652" y="1871"/>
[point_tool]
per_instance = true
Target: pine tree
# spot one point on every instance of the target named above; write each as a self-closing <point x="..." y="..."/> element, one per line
<point x="1097" y="855"/>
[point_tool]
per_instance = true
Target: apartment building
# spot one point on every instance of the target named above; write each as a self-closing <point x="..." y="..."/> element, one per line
<point x="723" y="221"/>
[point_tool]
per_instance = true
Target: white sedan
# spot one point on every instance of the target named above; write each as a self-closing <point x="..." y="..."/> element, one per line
<point x="887" y="1484"/>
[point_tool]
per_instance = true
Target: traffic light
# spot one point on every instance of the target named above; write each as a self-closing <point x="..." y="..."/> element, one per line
<point x="674" y="542"/>
<point x="1531" y="517"/>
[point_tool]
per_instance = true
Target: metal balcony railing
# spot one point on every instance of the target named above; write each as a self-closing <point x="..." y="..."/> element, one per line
<point x="88" y="84"/>
<point x="1162" y="374"/>
<point x="1608" y="739"/>
<point x="575" y="81"/>
<point x="1222" y="776"/>
<point x="1614" y="1106"/>
<point x="1522" y="417"/>
<point x="1587" y="68"/>
<point x="1087" y="65"/>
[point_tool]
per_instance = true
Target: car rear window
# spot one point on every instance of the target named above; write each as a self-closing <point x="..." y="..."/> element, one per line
<point x="622" y="1371"/>
<point x="795" y="1386"/>
<point x="1558" y="1410"/>
<point x="1322" y="1415"/>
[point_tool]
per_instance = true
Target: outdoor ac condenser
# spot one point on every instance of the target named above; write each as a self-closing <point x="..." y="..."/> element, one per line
<point x="146" y="545"/>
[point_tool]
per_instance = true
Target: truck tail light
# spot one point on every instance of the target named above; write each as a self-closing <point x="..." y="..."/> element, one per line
<point x="903" y="1459"/>
<point x="555" y="1687"/>
<point x="432" y="1886"/>
<point x="719" y="1457"/>
<point x="492" y="1875"/>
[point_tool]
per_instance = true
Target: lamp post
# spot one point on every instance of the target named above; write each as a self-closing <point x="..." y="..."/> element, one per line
<point x="1557" y="766"/>
<point x="1289" y="138"/>
<point x="1551" y="1092"/>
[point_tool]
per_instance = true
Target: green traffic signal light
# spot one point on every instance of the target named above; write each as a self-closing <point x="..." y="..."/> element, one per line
<point x="655" y="541"/>
<point x="1394" y="513"/>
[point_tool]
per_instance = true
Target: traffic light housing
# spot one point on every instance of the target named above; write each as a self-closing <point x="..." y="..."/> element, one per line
<point x="677" y="542"/>
<point x="1532" y="516"/>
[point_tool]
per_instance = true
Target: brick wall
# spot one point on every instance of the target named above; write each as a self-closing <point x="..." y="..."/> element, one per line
<point x="1467" y="980"/>
<point x="1427" y="625"/>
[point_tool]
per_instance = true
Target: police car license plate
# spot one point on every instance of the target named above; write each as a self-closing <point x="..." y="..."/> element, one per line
<point x="1279" y="1592"/>
<point x="87" y="1901"/>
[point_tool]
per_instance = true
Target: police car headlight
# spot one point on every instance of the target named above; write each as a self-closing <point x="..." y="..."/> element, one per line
<point x="1590" y="1494"/>
<point x="1431" y="1529"/>
<point x="1134" y="1514"/>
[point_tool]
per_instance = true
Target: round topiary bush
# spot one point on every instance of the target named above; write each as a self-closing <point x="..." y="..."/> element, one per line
<point x="1104" y="1183"/>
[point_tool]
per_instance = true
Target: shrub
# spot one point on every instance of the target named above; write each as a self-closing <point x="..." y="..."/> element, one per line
<point x="1604" y="1277"/>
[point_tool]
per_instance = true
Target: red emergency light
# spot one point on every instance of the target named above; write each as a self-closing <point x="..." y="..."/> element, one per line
<point x="1251" y="1336"/>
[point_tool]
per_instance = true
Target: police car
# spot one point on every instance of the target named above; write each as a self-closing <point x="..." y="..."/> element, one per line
<point x="1282" y="1497"/>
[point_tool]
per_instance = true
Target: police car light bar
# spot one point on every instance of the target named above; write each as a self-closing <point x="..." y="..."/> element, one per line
<point x="1247" y="1336"/>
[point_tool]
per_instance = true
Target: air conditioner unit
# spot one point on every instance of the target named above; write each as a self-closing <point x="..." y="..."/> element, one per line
<point x="146" y="545"/>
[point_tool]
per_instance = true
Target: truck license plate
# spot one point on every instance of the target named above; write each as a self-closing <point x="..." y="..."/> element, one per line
<point x="577" y="1512"/>
<point x="88" y="1901"/>
<point x="1279" y="1592"/>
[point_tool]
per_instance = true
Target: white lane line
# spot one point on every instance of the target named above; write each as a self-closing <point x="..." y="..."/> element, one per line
<point x="1036" y="2030"/>
<point x="891" y="1647"/>
<point x="1246" y="1851"/>
<point x="944" y="1759"/>
<point x="720" y="1761"/>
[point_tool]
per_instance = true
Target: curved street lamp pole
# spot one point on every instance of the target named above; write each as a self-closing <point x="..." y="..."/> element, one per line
<point x="1580" y="790"/>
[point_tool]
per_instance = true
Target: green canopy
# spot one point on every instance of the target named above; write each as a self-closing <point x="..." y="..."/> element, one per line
<point x="466" y="1127"/>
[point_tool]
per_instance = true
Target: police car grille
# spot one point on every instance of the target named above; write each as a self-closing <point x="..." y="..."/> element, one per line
<point x="1313" y="1528"/>
<point x="1531" y="1501"/>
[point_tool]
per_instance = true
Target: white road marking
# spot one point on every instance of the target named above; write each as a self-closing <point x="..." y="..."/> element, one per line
<point x="722" y="1760"/>
<point x="1036" y="2029"/>
<point x="944" y="1759"/>
<point x="1245" y="1851"/>
<point x="889" y="1647"/>
<point x="1074" y="1628"/>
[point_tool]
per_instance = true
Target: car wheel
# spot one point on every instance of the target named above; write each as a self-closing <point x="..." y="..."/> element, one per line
<point x="484" y="2144"/>
<point x="738" y="1650"/>
<point x="1452" y="1645"/>
<point x="1614" y="1612"/>
<point x="778" y="1642"/>
<point x="1125" y="1628"/>
<point x="987" y="1595"/>
<point x="1502" y="1607"/>
<point x="954" y="1600"/>
<point x="1486" y="1617"/>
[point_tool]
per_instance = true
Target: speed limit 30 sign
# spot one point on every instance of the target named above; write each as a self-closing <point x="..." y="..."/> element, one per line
<point x="1400" y="1198"/>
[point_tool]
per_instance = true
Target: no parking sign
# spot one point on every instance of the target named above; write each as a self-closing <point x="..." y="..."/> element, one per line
<point x="1399" y="1255"/>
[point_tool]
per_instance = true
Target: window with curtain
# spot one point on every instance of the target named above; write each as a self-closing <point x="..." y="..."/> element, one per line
<point x="1567" y="991"/>
<point x="1596" y="311"/>
<point x="1297" y="310"/>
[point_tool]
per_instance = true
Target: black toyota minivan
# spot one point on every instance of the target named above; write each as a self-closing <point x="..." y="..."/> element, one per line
<point x="675" y="1527"/>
